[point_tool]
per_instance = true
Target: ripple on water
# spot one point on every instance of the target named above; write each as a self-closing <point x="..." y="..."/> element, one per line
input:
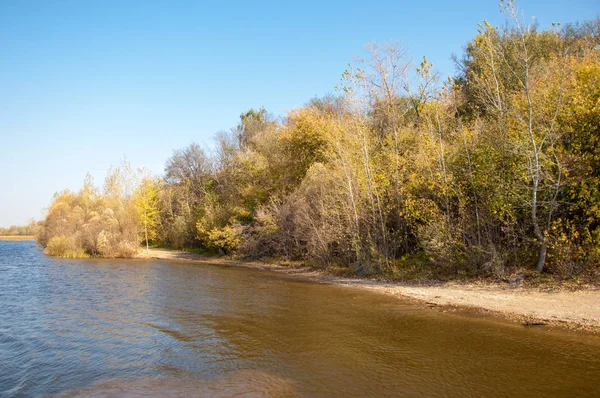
<point x="235" y="384"/>
<point x="154" y="328"/>
<point x="16" y="360"/>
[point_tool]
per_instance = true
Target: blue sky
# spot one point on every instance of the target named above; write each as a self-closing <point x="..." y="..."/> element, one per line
<point x="84" y="83"/>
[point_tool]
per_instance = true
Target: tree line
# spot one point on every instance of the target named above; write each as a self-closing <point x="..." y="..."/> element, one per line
<point x="30" y="229"/>
<point x="497" y="167"/>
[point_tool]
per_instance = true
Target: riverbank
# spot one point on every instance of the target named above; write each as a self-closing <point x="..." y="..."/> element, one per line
<point x="578" y="310"/>
<point x="17" y="237"/>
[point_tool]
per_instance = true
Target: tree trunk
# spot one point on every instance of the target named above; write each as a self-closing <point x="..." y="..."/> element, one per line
<point x="541" y="257"/>
<point x="146" y="229"/>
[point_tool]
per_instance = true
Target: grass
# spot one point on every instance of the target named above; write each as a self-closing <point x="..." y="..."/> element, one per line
<point x="71" y="254"/>
<point x="17" y="237"/>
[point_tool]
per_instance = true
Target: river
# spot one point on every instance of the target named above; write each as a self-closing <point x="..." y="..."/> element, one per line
<point x="162" y="328"/>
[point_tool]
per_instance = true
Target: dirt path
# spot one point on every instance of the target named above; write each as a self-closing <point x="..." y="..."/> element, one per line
<point x="577" y="310"/>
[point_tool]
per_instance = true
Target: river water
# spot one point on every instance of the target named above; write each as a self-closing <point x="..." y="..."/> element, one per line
<point x="162" y="328"/>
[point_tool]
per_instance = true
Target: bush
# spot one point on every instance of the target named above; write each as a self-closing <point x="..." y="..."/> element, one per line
<point x="125" y="249"/>
<point x="226" y="239"/>
<point x="63" y="246"/>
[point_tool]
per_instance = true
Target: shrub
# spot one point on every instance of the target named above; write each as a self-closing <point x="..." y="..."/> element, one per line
<point x="63" y="246"/>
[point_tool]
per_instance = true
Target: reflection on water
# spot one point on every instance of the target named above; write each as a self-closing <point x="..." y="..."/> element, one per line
<point x="143" y="328"/>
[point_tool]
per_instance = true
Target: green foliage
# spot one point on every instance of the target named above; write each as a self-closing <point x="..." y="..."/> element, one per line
<point x="226" y="239"/>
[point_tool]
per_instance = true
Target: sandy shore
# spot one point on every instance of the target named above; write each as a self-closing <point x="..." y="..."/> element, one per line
<point x="571" y="309"/>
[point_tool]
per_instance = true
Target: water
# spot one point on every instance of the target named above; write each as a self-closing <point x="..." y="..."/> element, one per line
<point x="142" y="328"/>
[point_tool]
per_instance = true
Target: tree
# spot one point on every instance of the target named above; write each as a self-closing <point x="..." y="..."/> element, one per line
<point x="191" y="165"/>
<point x="515" y="77"/>
<point x="146" y="202"/>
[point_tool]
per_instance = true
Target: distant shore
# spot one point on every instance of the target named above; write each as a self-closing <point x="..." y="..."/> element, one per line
<point x="17" y="237"/>
<point x="578" y="310"/>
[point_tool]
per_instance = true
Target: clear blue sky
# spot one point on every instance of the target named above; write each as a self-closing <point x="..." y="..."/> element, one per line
<point x="83" y="83"/>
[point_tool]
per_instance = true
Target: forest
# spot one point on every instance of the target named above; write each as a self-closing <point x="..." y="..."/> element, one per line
<point x="495" y="168"/>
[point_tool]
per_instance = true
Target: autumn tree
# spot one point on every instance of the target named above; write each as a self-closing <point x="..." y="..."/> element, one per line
<point x="146" y="202"/>
<point x="494" y="168"/>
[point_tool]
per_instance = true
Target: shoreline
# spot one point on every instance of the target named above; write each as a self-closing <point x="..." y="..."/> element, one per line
<point x="575" y="310"/>
<point x="17" y="237"/>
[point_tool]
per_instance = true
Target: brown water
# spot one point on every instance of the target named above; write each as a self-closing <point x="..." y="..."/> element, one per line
<point x="158" y="328"/>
